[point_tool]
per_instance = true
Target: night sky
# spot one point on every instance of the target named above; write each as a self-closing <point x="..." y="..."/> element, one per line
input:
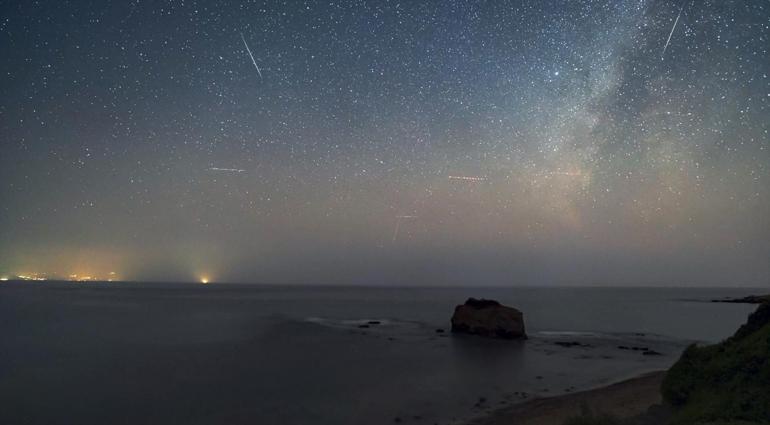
<point x="532" y="142"/>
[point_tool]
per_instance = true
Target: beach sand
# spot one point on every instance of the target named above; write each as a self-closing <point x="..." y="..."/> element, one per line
<point x="624" y="399"/>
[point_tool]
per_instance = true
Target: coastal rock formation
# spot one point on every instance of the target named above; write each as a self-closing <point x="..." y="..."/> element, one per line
<point x="751" y="299"/>
<point x="725" y="382"/>
<point x="488" y="318"/>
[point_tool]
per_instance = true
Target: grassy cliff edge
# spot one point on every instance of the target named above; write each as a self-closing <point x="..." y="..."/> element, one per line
<point x="721" y="384"/>
<point x="726" y="382"/>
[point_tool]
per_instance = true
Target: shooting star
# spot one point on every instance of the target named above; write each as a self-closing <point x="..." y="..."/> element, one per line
<point x="467" y="178"/>
<point x="565" y="173"/>
<point x="251" y="56"/>
<point x="227" y="170"/>
<point x="398" y="224"/>
<point x="673" y="28"/>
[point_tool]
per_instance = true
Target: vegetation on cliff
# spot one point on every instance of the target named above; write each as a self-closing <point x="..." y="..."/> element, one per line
<point x="727" y="382"/>
<point x="721" y="384"/>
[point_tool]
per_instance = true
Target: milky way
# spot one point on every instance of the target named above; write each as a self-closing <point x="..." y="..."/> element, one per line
<point x="585" y="156"/>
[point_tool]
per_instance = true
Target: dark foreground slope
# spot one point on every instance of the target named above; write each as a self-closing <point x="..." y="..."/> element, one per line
<point x="727" y="382"/>
<point x="722" y="384"/>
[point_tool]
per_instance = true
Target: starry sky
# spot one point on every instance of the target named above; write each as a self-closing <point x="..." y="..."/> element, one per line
<point x="531" y="142"/>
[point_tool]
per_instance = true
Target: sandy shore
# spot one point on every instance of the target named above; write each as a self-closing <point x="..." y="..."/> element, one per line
<point x="624" y="399"/>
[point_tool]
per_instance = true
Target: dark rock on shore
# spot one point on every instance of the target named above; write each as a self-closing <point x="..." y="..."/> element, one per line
<point x="625" y="347"/>
<point x="488" y="318"/>
<point x="751" y="299"/>
<point x="480" y="403"/>
<point x="568" y="344"/>
<point x="645" y="351"/>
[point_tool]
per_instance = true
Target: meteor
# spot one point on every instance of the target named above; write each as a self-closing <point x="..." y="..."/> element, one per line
<point x="251" y="56"/>
<point x="673" y="28"/>
<point x="565" y="173"/>
<point x="227" y="170"/>
<point x="398" y="224"/>
<point x="467" y="178"/>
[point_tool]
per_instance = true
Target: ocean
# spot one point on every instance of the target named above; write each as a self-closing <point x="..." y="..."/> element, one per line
<point x="140" y="353"/>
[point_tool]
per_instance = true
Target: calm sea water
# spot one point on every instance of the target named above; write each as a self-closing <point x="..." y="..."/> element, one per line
<point x="247" y="354"/>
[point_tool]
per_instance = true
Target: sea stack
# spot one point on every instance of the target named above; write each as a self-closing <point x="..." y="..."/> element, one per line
<point x="488" y="318"/>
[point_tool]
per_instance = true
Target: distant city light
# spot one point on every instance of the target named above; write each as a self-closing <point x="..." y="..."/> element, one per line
<point x="78" y="278"/>
<point x="29" y="276"/>
<point x="33" y="276"/>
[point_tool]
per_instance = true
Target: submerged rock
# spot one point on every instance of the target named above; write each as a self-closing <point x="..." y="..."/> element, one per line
<point x="488" y="318"/>
<point x="568" y="344"/>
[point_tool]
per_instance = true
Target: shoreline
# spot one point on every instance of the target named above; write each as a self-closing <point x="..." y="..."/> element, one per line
<point x="623" y="399"/>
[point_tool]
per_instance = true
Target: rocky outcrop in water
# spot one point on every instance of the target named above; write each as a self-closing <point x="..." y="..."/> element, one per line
<point x="751" y="299"/>
<point x="488" y="318"/>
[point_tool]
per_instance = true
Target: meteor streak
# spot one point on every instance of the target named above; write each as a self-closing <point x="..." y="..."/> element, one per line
<point x="468" y="178"/>
<point x="251" y="56"/>
<point x="398" y="224"/>
<point x="228" y="170"/>
<point x="673" y="28"/>
<point x="565" y="173"/>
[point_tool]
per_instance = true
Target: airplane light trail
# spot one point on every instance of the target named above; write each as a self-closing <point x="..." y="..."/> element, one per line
<point x="229" y="170"/>
<point x="673" y="28"/>
<point x="467" y="178"/>
<point x="251" y="56"/>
